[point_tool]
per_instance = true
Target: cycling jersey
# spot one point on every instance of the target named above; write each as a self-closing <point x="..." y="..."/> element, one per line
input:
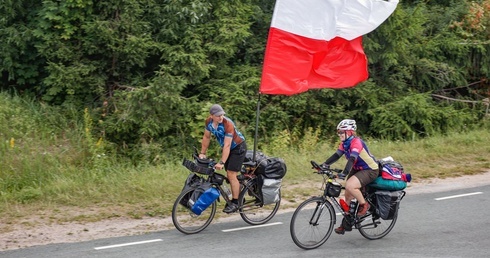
<point x="358" y="148"/>
<point x="225" y="129"/>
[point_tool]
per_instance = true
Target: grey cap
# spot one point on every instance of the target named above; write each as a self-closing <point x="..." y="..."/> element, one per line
<point x="216" y="110"/>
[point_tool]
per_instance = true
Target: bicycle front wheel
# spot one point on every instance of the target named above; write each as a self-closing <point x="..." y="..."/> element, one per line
<point x="373" y="227"/>
<point x="187" y="221"/>
<point x="312" y="223"/>
<point x="252" y="208"/>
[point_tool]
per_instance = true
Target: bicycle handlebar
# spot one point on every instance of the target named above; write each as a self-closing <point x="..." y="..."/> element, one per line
<point x="330" y="172"/>
<point x="201" y="166"/>
<point x="209" y="161"/>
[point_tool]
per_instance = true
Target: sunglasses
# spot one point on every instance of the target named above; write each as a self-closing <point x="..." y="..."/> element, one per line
<point x="340" y="132"/>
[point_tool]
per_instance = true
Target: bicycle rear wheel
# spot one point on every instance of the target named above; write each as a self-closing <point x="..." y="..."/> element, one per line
<point x="312" y="223"/>
<point x="373" y="227"/>
<point x="252" y="210"/>
<point x="187" y="221"/>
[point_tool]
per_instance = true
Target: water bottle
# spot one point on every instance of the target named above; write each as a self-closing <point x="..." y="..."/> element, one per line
<point x="353" y="206"/>
<point x="344" y="205"/>
<point x="227" y="191"/>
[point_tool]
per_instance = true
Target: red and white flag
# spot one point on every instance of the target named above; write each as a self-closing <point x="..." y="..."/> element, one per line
<point x="318" y="43"/>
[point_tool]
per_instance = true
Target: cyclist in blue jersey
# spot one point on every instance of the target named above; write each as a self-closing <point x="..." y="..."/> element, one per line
<point x="360" y="170"/>
<point x="233" y="147"/>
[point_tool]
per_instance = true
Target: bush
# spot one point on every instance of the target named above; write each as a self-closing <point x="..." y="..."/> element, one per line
<point x="416" y="116"/>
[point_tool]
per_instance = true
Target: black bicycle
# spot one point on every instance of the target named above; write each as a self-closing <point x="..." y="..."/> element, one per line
<point x="314" y="219"/>
<point x="250" y="200"/>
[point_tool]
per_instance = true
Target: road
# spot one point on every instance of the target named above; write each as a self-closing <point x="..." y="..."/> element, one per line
<point x="442" y="224"/>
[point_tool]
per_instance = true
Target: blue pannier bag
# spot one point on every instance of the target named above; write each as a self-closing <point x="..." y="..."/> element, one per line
<point x="203" y="197"/>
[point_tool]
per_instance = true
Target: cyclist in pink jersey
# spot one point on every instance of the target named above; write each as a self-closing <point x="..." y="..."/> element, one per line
<point x="360" y="170"/>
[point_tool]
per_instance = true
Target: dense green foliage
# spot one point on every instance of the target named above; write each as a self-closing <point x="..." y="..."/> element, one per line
<point x="146" y="71"/>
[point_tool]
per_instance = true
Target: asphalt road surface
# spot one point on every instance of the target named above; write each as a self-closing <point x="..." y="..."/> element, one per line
<point x="443" y="224"/>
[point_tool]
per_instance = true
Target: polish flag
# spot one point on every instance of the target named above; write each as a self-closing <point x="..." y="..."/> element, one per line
<point x="318" y="44"/>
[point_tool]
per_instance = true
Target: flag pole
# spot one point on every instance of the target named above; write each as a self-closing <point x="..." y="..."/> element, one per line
<point x="256" y="128"/>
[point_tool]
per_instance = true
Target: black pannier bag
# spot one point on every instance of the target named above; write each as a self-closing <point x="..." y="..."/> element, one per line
<point x="272" y="179"/>
<point x="259" y="156"/>
<point x="275" y="169"/>
<point x="257" y="166"/>
<point x="270" y="172"/>
<point x="192" y="182"/>
<point x="388" y="202"/>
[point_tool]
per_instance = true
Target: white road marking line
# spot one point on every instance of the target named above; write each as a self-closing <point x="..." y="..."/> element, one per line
<point x="258" y="226"/>
<point x="457" y="196"/>
<point x="127" y="244"/>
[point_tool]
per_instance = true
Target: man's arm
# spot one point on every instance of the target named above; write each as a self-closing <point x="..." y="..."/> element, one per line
<point x="206" y="138"/>
<point x="226" y="149"/>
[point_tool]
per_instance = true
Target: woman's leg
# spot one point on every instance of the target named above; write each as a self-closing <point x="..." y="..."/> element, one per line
<point x="353" y="190"/>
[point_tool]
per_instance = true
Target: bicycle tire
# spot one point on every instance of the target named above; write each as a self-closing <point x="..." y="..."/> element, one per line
<point x="187" y="221"/>
<point x="373" y="227"/>
<point x="312" y="223"/>
<point x="251" y="205"/>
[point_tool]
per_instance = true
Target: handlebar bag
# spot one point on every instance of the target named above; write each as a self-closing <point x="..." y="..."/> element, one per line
<point x="203" y="162"/>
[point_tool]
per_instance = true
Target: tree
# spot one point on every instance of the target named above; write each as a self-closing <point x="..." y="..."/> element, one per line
<point x="147" y="70"/>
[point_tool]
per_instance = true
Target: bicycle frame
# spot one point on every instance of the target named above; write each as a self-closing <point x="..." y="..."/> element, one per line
<point x="241" y="179"/>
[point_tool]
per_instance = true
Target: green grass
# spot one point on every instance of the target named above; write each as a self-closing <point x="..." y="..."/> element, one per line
<point x="52" y="167"/>
<point x="123" y="190"/>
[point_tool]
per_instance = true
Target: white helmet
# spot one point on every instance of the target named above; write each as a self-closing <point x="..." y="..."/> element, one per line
<point x="347" y="125"/>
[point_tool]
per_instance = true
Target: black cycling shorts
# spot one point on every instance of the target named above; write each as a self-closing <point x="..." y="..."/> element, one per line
<point x="236" y="158"/>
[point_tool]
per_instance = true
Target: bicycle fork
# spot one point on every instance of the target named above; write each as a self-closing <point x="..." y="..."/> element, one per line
<point x="317" y="213"/>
